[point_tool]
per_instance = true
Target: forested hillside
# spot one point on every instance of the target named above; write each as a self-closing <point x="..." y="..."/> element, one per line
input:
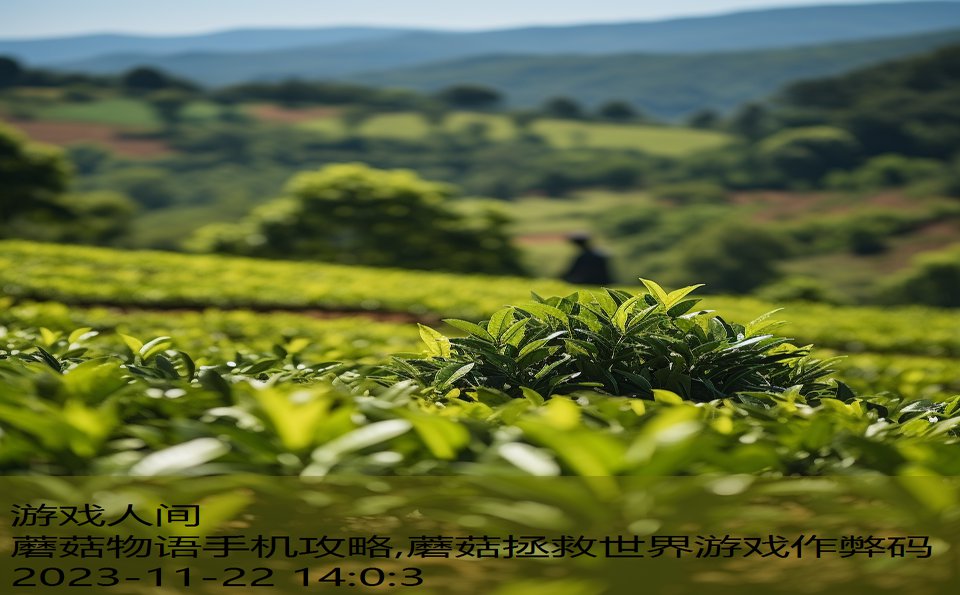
<point x="664" y="85"/>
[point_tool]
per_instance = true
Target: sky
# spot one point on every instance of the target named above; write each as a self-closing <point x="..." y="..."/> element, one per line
<point x="32" y="18"/>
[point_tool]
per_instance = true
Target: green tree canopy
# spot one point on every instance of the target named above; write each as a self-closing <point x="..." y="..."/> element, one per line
<point x="806" y="155"/>
<point x="705" y="119"/>
<point x="932" y="279"/>
<point x="168" y="103"/>
<point x="563" y="107"/>
<point x="33" y="176"/>
<point x="10" y="71"/>
<point x="34" y="179"/>
<point x="355" y="214"/>
<point x="734" y="257"/>
<point x="752" y="121"/>
<point x="909" y="106"/>
<point x="146" y="79"/>
<point x="470" y="97"/>
<point x="617" y="111"/>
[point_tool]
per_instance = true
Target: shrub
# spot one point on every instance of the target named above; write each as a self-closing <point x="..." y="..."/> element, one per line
<point x="563" y="108"/>
<point x="470" y="97"/>
<point x="617" y="111"/>
<point x="806" y="155"/>
<point x="88" y="158"/>
<point x="867" y="239"/>
<point x="151" y="187"/>
<point x="734" y="257"/>
<point x="33" y="175"/>
<point x="355" y="214"/>
<point x="612" y="342"/>
<point x="886" y="171"/>
<point x="933" y="280"/>
<point x="99" y="217"/>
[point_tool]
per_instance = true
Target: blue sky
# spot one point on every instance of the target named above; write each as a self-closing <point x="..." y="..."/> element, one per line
<point x="36" y="18"/>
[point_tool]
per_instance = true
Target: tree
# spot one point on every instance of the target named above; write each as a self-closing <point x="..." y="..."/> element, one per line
<point x="144" y="79"/>
<point x="355" y="214"/>
<point x="752" y="121"/>
<point x="88" y="218"/>
<point x="88" y="158"/>
<point x="734" y="258"/>
<point x="167" y="104"/>
<point x="10" y="72"/>
<point x="706" y="119"/>
<point x="806" y="155"/>
<point x="150" y="187"/>
<point x="33" y="177"/>
<point x="470" y="97"/>
<point x="33" y="204"/>
<point x="563" y="108"/>
<point x="617" y="111"/>
<point x="932" y="279"/>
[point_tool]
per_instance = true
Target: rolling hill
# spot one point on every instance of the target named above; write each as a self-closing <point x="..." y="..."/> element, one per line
<point x="663" y="85"/>
<point x="741" y="31"/>
<point x="54" y="50"/>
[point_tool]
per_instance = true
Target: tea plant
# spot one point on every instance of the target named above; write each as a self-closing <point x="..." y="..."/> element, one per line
<point x="616" y="343"/>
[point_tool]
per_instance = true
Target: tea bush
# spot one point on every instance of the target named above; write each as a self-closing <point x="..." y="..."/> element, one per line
<point x="615" y="343"/>
<point x="637" y="384"/>
<point x="94" y="276"/>
<point x="82" y="403"/>
<point x="355" y="214"/>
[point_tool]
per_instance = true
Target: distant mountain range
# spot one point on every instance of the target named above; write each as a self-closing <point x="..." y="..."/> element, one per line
<point x="668" y="67"/>
<point x="258" y="54"/>
<point x="58" y="50"/>
<point x="666" y="85"/>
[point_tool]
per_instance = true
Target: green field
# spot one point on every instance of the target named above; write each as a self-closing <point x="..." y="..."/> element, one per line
<point x="656" y="140"/>
<point x="81" y="275"/>
<point x="115" y="111"/>
<point x="120" y="111"/>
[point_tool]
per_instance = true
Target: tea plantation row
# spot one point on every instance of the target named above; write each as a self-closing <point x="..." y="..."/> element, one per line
<point x="219" y="335"/>
<point x="89" y="402"/>
<point x="78" y="276"/>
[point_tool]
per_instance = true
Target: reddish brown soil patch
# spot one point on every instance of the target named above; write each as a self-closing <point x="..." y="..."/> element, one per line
<point x="112" y="138"/>
<point x="286" y="115"/>
<point x="772" y="206"/>
<point x="892" y="200"/>
<point x="934" y="236"/>
<point x="781" y="206"/>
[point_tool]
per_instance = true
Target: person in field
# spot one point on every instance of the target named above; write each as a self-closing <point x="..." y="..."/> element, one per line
<point x="591" y="266"/>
